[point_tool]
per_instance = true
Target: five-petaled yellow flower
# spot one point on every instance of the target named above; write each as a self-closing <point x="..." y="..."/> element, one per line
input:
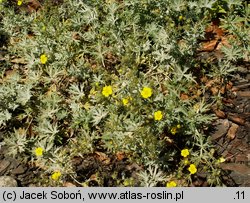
<point x="19" y="2"/>
<point x="125" y="101"/>
<point x="56" y="175"/>
<point x="192" y="169"/>
<point x="184" y="152"/>
<point x="107" y="91"/>
<point x="173" y="130"/>
<point x="43" y="59"/>
<point x="146" y="92"/>
<point x="171" y="184"/>
<point x="39" y="151"/>
<point x="158" y="115"/>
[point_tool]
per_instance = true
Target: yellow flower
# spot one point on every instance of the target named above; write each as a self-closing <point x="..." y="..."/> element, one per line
<point x="43" y="59"/>
<point x="221" y="160"/>
<point x="184" y="152"/>
<point x="146" y="92"/>
<point x="178" y="126"/>
<point x="158" y="115"/>
<point x="192" y="169"/>
<point x="56" y="175"/>
<point x="107" y="90"/>
<point x="180" y="18"/>
<point x="125" y="101"/>
<point x="171" y="184"/>
<point x="19" y="2"/>
<point x="173" y="130"/>
<point x="39" y="151"/>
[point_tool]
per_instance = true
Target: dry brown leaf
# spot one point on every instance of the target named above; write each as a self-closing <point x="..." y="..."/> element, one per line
<point x="102" y="157"/>
<point x="9" y="74"/>
<point x="184" y="96"/>
<point x="120" y="156"/>
<point x="213" y="30"/>
<point x="210" y="83"/>
<point x="229" y="85"/>
<point x="223" y="90"/>
<point x="204" y="79"/>
<point x="214" y="90"/>
<point x="33" y="6"/>
<point x="223" y="42"/>
<point x="19" y="61"/>
<point x="93" y="177"/>
<point x="209" y="46"/>
<point x="75" y="36"/>
<point x="168" y="140"/>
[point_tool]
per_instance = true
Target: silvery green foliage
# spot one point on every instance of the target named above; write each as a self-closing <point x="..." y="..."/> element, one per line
<point x="127" y="44"/>
<point x="12" y="95"/>
<point x="151" y="176"/>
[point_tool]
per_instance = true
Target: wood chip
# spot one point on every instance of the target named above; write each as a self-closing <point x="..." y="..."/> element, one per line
<point x="243" y="86"/>
<point x="228" y="101"/>
<point x="231" y="134"/>
<point x="243" y="93"/>
<point x="221" y="128"/>
<point x="220" y="114"/>
<point x="240" y="168"/>
<point x="237" y="120"/>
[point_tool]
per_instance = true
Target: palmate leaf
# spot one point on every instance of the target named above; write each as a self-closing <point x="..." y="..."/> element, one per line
<point x="23" y="95"/>
<point x="4" y="116"/>
<point x="233" y="2"/>
<point x="77" y="91"/>
<point x="207" y="3"/>
<point x="232" y="53"/>
<point x="98" y="114"/>
<point x="178" y="5"/>
<point x="152" y="176"/>
<point x="48" y="129"/>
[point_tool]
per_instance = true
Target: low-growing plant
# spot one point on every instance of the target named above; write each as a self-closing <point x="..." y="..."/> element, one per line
<point x="119" y="76"/>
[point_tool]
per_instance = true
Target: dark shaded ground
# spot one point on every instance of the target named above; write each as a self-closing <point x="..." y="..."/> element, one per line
<point x="232" y="135"/>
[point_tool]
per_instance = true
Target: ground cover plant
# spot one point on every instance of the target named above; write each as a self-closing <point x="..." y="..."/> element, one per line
<point x="118" y="80"/>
